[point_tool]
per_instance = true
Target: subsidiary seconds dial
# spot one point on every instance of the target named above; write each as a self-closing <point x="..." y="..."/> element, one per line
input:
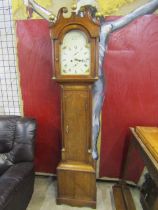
<point x="75" y="54"/>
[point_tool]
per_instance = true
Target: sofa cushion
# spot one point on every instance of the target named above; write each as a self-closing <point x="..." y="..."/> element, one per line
<point x="12" y="179"/>
<point x="19" y="171"/>
<point x="7" y="187"/>
<point x="7" y="131"/>
<point x="5" y="162"/>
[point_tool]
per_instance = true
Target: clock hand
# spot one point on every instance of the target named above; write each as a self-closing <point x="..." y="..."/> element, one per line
<point x="78" y="60"/>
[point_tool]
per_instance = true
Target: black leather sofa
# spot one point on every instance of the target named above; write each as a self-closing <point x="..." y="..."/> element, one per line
<point x="17" y="135"/>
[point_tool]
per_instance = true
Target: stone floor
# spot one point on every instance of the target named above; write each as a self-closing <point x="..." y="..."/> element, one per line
<point x="44" y="196"/>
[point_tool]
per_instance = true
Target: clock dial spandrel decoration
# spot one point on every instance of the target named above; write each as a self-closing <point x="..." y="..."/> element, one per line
<point x="75" y="54"/>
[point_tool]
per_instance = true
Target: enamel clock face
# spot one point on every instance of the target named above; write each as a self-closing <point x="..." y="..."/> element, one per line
<point x="75" y="54"/>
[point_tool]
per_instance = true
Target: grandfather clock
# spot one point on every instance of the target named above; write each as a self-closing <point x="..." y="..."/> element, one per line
<point x="75" y="58"/>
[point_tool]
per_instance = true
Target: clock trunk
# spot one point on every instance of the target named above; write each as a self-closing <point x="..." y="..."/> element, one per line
<point x="76" y="171"/>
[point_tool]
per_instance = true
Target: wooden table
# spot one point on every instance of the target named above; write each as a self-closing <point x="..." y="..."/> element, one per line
<point x="145" y="140"/>
<point x="141" y="139"/>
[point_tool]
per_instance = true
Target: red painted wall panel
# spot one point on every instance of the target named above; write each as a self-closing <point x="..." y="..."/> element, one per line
<point x="131" y="91"/>
<point x="39" y="92"/>
<point x="131" y="68"/>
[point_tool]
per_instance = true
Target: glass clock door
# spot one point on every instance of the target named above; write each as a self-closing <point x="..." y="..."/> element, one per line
<point x="75" y="54"/>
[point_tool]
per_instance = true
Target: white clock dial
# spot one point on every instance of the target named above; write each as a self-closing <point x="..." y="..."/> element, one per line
<point x="75" y="54"/>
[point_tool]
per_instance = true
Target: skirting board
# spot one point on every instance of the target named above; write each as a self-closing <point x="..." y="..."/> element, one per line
<point x="106" y="179"/>
<point x="44" y="174"/>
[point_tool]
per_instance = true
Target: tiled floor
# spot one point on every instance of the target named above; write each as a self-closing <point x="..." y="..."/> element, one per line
<point x="44" y="197"/>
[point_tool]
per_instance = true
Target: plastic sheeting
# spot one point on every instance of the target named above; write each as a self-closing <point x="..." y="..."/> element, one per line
<point x="131" y="91"/>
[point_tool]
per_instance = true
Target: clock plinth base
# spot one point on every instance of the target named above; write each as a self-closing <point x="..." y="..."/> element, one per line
<point x="76" y="184"/>
<point x="74" y="202"/>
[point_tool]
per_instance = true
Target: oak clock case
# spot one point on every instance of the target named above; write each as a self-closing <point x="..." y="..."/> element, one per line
<point x="75" y="58"/>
